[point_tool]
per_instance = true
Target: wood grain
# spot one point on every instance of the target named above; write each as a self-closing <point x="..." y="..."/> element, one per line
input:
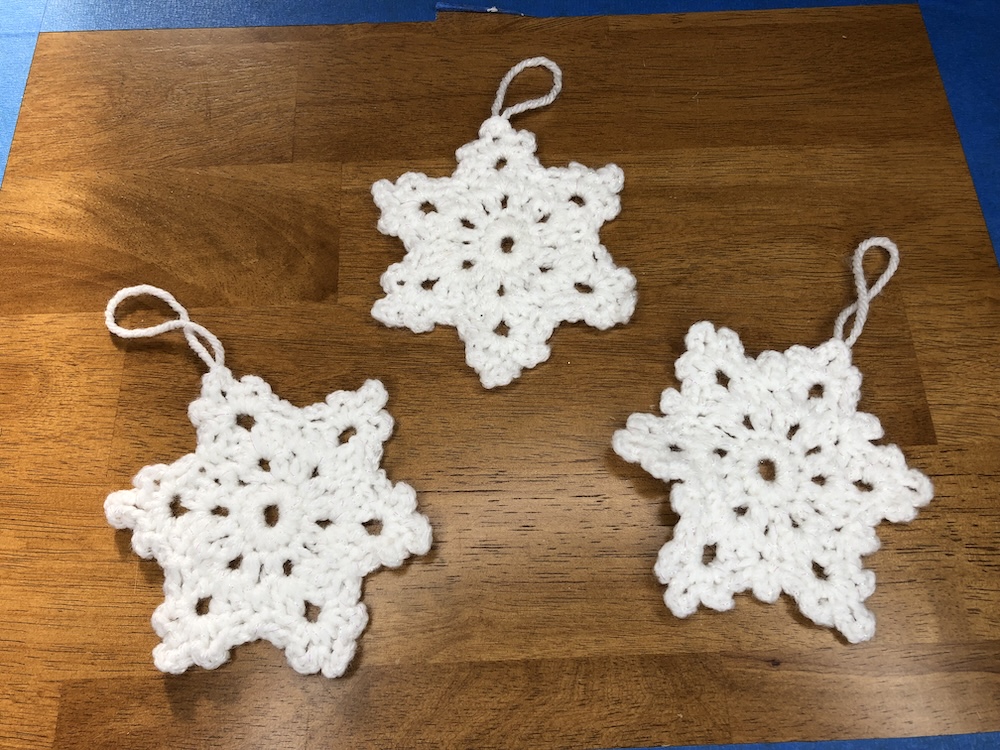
<point x="233" y="167"/>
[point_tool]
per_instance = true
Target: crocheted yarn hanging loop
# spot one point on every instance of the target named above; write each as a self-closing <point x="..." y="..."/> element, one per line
<point x="194" y="332"/>
<point x="542" y="101"/>
<point x="859" y="308"/>
<point x="778" y="480"/>
<point x="267" y="529"/>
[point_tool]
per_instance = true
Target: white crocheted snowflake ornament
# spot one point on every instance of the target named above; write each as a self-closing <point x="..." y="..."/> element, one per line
<point x="267" y="529"/>
<point x="505" y="249"/>
<point x="777" y="479"/>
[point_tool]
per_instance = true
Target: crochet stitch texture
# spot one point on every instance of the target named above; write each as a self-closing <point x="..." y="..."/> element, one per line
<point x="266" y="530"/>
<point x="776" y="478"/>
<point x="505" y="249"/>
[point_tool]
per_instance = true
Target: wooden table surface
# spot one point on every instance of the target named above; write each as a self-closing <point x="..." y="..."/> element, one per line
<point x="234" y="167"/>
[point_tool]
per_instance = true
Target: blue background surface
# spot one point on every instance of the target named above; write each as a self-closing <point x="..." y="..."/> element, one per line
<point x="965" y="36"/>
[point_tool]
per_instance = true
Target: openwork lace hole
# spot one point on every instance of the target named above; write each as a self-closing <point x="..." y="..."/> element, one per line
<point x="795" y="524"/>
<point x="264" y="464"/>
<point x="315" y="473"/>
<point x="507" y="244"/>
<point x="468" y="224"/>
<point x="346" y="434"/>
<point x="428" y="208"/>
<point x="272" y="515"/>
<point x="863" y="486"/>
<point x="373" y="526"/>
<point x="819" y="571"/>
<point x="583" y="288"/>
<point x="747" y="423"/>
<point x="674" y="448"/>
<point x="544" y="269"/>
<point x="324" y="522"/>
<point x="467" y="264"/>
<point x="767" y="470"/>
<point x="792" y="431"/>
<point x="428" y="284"/>
<point x="721" y="452"/>
<point x="220" y="511"/>
<point x="500" y="163"/>
<point x="312" y="612"/>
<point x="578" y="200"/>
<point x="288" y="567"/>
<point x="245" y="421"/>
<point x="501" y="291"/>
<point x="236" y="562"/>
<point x="177" y="508"/>
<point x="708" y="554"/>
<point x="503" y="202"/>
<point x="817" y="391"/>
<point x="721" y="378"/>
<point x="741" y="511"/>
<point x="544" y="219"/>
<point x="201" y="607"/>
<point x="814" y="450"/>
<point x="819" y="479"/>
<point x="502" y="330"/>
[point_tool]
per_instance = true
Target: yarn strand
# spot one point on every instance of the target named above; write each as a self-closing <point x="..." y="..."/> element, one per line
<point x="194" y="332"/>
<point x="542" y="101"/>
<point x="859" y="308"/>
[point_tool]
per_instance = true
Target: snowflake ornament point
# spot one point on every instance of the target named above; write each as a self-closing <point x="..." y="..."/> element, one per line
<point x="504" y="249"/>
<point x="777" y="480"/>
<point x="263" y="532"/>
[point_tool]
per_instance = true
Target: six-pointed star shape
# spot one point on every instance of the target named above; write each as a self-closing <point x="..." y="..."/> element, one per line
<point x="777" y="480"/>
<point x="267" y="529"/>
<point x="504" y="250"/>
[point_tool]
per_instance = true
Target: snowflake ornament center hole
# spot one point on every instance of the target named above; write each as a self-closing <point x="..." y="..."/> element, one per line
<point x="502" y="329"/>
<point x="428" y="208"/>
<point x="271" y="515"/>
<point x="507" y="245"/>
<point x="202" y="606"/>
<point x="245" y="421"/>
<point x="817" y="391"/>
<point x="312" y="611"/>
<point x="767" y="470"/>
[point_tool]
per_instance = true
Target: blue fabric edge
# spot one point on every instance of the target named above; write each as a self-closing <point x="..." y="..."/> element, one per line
<point x="980" y="741"/>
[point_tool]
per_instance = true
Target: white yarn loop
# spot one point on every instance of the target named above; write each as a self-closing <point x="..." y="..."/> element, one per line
<point x="542" y="101"/>
<point x="194" y="332"/>
<point x="866" y="294"/>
